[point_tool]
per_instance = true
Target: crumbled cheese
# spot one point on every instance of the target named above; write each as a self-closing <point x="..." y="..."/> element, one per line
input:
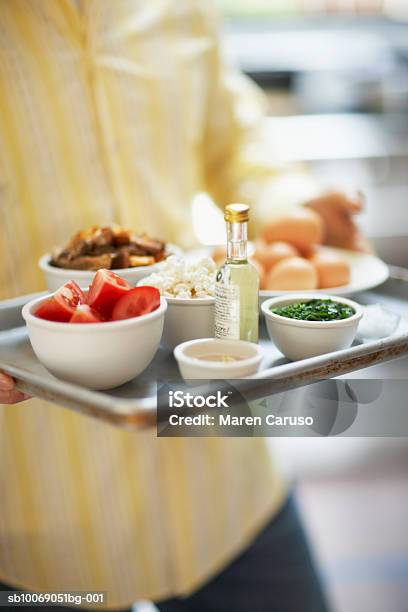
<point x="176" y="277"/>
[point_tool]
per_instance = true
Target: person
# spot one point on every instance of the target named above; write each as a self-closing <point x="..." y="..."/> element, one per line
<point x="122" y="111"/>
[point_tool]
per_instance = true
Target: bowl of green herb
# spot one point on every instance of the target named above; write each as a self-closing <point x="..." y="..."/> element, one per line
<point x="307" y="325"/>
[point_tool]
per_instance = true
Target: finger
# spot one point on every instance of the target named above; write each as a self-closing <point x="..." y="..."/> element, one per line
<point x="6" y="382"/>
<point x="12" y="397"/>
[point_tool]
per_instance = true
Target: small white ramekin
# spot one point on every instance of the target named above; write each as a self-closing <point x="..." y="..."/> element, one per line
<point x="191" y="367"/>
<point x="95" y="355"/>
<point x="298" y="339"/>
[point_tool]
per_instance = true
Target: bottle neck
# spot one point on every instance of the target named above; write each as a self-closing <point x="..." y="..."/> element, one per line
<point x="236" y="241"/>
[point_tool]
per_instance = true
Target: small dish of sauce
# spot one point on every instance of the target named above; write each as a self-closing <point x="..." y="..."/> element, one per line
<point x="216" y="358"/>
<point x="221" y="358"/>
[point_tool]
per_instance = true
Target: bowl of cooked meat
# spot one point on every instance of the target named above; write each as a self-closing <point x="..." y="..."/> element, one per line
<point x="131" y="255"/>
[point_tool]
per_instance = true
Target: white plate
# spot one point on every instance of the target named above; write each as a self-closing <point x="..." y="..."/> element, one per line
<point x="367" y="271"/>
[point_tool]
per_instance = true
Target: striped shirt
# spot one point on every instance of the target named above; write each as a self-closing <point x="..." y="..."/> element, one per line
<point x="115" y="111"/>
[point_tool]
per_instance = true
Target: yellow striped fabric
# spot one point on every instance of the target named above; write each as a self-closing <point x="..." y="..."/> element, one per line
<point x="115" y="111"/>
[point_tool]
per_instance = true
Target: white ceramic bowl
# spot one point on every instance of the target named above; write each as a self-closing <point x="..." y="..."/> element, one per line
<point x="191" y="367"/>
<point x="188" y="319"/>
<point x="56" y="277"/>
<point x="95" y="355"/>
<point x="302" y="339"/>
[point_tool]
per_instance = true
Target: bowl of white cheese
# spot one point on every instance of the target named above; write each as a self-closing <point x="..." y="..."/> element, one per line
<point x="189" y="288"/>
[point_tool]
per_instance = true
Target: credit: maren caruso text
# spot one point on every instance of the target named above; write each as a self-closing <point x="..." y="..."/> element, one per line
<point x="228" y="420"/>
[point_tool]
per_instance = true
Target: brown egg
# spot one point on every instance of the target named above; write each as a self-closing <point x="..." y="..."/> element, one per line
<point x="291" y="274"/>
<point x="269" y="254"/>
<point x="302" y="228"/>
<point x="219" y="254"/>
<point x="332" y="270"/>
<point x="261" y="272"/>
<point x="309" y="251"/>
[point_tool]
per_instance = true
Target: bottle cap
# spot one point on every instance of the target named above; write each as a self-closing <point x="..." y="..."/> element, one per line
<point x="236" y="213"/>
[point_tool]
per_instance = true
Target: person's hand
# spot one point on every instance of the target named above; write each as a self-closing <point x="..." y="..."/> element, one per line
<point x="8" y="393"/>
<point x="336" y="210"/>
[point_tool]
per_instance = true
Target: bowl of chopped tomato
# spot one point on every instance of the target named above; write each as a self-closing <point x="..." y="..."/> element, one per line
<point x="99" y="337"/>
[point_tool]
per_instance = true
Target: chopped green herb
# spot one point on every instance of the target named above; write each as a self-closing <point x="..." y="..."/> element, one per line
<point x="315" y="310"/>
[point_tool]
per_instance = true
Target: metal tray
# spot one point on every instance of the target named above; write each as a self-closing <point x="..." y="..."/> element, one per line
<point x="134" y="405"/>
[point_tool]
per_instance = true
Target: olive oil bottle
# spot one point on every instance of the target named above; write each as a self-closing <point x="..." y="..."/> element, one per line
<point x="237" y="283"/>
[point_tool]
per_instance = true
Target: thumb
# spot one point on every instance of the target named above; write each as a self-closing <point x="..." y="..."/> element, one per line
<point x="6" y="382"/>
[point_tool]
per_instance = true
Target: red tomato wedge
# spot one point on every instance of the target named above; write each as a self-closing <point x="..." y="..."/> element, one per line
<point x="106" y="289"/>
<point x="137" y="301"/>
<point x="61" y="306"/>
<point x="86" y="314"/>
<point x="77" y="293"/>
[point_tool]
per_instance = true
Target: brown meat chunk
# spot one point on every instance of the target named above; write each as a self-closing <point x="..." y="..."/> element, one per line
<point x="147" y="244"/>
<point x="121" y="236"/>
<point x="103" y="237"/>
<point x="120" y="259"/>
<point x="75" y="248"/>
<point x="85" y="262"/>
<point x="161" y="256"/>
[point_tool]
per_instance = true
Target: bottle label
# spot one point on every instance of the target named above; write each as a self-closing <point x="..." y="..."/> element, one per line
<point x="227" y="312"/>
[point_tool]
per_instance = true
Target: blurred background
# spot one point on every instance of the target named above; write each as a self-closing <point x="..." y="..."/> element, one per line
<point x="336" y="77"/>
